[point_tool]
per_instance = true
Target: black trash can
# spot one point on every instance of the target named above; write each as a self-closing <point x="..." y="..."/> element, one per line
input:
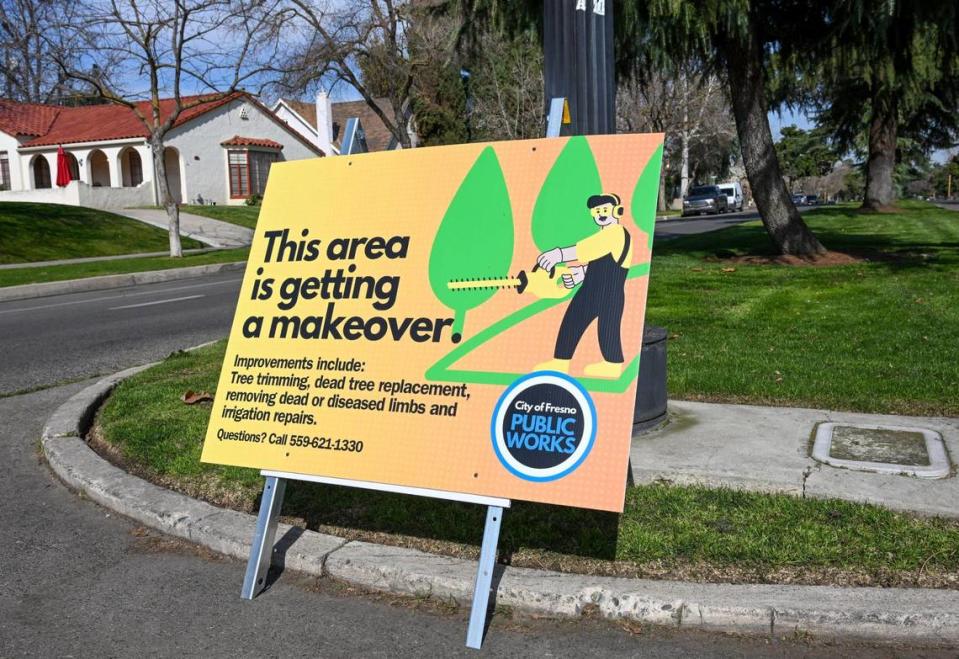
<point x="651" y="397"/>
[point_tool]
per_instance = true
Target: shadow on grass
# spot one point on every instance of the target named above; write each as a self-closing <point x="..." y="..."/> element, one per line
<point x="904" y="239"/>
<point x="525" y="525"/>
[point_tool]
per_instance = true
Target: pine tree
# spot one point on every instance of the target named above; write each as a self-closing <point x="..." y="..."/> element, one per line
<point x="890" y="69"/>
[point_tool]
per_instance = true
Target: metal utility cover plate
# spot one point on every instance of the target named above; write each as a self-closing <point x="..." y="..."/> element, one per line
<point x="918" y="452"/>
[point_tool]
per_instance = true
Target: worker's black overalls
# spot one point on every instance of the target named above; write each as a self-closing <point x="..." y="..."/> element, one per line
<point x="601" y="296"/>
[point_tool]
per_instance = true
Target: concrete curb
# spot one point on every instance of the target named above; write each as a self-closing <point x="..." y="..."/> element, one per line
<point x="918" y="615"/>
<point x="104" y="282"/>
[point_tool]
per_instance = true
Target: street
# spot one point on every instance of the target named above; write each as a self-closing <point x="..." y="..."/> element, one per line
<point x="63" y="338"/>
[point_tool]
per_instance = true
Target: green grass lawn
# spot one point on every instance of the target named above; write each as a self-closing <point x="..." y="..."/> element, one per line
<point x="876" y="336"/>
<point x="46" y="232"/>
<point x="17" y="276"/>
<point x="665" y="531"/>
<point x="245" y="216"/>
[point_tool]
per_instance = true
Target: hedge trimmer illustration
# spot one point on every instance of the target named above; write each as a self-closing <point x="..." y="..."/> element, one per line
<point x="542" y="284"/>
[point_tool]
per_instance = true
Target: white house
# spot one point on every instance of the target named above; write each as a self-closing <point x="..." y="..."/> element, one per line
<point x="218" y="151"/>
<point x="323" y="121"/>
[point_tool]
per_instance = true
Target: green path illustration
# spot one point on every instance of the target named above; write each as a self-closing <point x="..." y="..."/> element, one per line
<point x="441" y="371"/>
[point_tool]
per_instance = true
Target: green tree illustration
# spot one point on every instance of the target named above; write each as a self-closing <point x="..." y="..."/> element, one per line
<point x="560" y="217"/>
<point x="643" y="204"/>
<point x="475" y="238"/>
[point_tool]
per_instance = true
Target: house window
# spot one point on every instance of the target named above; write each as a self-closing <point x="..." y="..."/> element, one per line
<point x="41" y="173"/>
<point x="4" y="171"/>
<point x="239" y="174"/>
<point x="249" y="171"/>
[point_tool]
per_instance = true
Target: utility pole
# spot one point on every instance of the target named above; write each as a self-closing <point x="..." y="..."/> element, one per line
<point x="578" y="49"/>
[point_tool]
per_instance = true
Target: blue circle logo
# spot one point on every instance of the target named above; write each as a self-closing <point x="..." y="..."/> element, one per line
<point x="543" y="426"/>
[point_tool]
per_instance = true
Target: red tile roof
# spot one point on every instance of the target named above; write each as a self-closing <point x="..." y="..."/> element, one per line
<point x="97" y="123"/>
<point x="52" y="125"/>
<point x="26" y="118"/>
<point x="236" y="140"/>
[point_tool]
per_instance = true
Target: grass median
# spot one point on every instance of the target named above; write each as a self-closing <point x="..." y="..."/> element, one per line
<point x="875" y="334"/>
<point x="665" y="532"/>
<point x="45" y="232"/>
<point x="38" y="275"/>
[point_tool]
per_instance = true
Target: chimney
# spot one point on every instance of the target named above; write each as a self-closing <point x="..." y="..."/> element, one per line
<point x="324" y="122"/>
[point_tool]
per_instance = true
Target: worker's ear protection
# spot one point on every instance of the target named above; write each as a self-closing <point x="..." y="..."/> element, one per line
<point x="618" y="209"/>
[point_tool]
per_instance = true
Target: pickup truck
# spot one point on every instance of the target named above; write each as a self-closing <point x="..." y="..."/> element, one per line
<point x="705" y="199"/>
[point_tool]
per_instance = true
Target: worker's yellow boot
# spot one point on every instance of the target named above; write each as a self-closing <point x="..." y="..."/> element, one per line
<point x="561" y="365"/>
<point x="604" y="369"/>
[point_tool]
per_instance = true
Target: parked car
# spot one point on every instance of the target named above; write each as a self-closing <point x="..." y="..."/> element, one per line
<point x="734" y="195"/>
<point x="704" y="199"/>
<point x="799" y="199"/>
<point x="812" y="199"/>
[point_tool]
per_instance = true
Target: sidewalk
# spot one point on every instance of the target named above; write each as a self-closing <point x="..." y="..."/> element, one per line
<point x="208" y="231"/>
<point x="768" y="449"/>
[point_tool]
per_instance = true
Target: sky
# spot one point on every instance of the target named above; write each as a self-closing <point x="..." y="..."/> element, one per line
<point x="788" y="118"/>
<point x="802" y="120"/>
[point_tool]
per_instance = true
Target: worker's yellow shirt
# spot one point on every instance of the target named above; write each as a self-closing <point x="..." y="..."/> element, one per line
<point x="608" y="240"/>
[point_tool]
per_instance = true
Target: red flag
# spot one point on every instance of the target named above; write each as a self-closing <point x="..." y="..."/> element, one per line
<point x="63" y="168"/>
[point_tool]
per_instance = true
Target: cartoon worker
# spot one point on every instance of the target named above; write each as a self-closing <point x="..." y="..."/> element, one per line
<point x="604" y="259"/>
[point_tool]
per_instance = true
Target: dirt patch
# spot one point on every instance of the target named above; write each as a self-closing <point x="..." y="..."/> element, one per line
<point x="827" y="260"/>
<point x="147" y="541"/>
<point x="823" y="260"/>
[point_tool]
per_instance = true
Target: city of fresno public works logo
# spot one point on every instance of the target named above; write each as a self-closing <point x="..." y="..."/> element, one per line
<point x="543" y="426"/>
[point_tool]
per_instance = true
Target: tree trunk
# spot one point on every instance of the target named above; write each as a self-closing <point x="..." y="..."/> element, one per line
<point x="661" y="204"/>
<point x="166" y="199"/>
<point x="882" y="155"/>
<point x="783" y="223"/>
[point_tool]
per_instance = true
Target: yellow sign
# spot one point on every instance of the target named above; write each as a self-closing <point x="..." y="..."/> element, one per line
<point x="465" y="318"/>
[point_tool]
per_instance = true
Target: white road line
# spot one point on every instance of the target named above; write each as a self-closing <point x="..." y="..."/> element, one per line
<point x="117" y="297"/>
<point x="149" y="304"/>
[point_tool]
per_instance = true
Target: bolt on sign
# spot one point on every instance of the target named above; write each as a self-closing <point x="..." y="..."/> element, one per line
<point x="464" y="319"/>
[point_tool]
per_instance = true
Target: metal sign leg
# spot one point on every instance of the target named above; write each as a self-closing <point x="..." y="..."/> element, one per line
<point x="262" y="550"/>
<point x="484" y="577"/>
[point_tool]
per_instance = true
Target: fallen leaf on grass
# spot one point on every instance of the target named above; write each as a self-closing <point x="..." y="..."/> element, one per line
<point x="191" y="397"/>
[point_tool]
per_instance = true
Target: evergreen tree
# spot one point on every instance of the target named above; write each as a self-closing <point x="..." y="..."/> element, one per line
<point x="889" y="69"/>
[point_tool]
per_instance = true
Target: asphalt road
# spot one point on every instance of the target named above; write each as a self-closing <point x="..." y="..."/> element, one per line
<point x="79" y="581"/>
<point x="65" y="337"/>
